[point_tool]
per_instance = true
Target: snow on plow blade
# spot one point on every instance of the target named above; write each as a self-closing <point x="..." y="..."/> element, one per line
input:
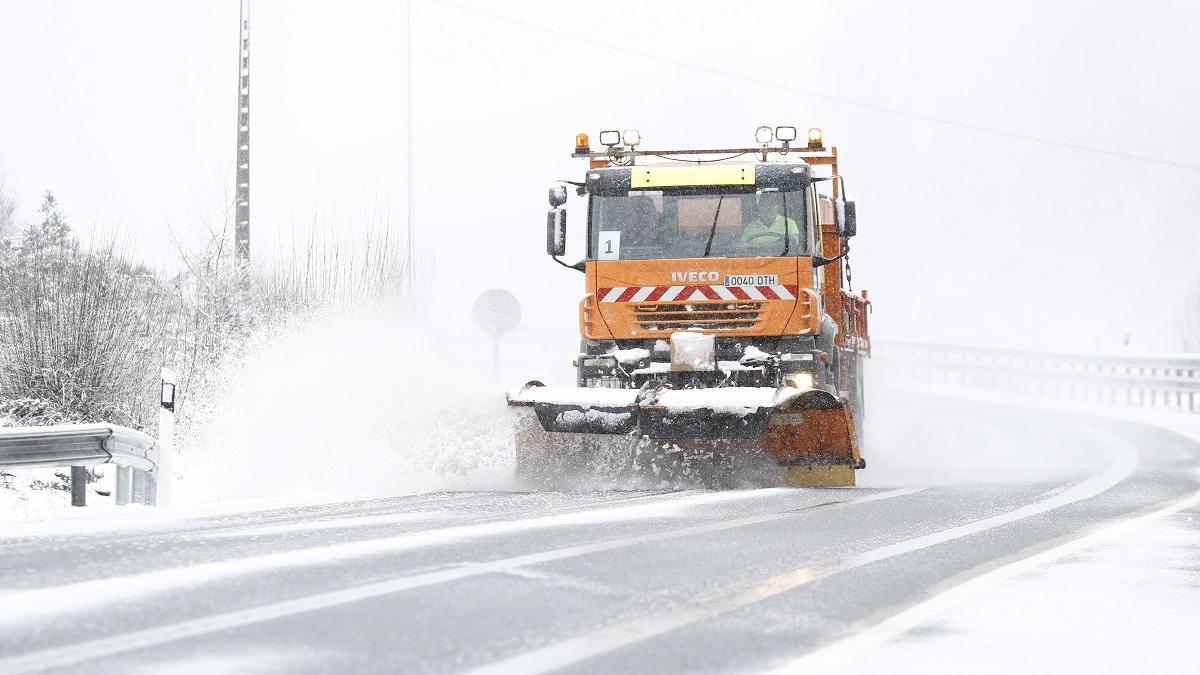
<point x="808" y="435"/>
<point x="729" y="412"/>
<point x="795" y="426"/>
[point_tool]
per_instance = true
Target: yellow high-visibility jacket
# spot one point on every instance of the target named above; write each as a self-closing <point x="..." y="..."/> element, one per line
<point x="756" y="232"/>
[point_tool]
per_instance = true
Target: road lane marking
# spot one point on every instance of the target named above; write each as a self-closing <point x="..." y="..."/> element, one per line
<point x="581" y="648"/>
<point x="832" y="658"/>
<point x="61" y="656"/>
<point x="22" y="606"/>
<point x="322" y="523"/>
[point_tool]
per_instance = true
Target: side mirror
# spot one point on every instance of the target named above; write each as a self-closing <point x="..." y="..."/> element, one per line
<point x="558" y="195"/>
<point x="556" y="232"/>
<point x="847" y="222"/>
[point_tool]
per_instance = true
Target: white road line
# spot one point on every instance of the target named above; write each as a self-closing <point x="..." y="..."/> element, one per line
<point x="181" y="519"/>
<point x="23" y="606"/>
<point x="832" y="658"/>
<point x="58" y="657"/>
<point x="581" y="648"/>
<point x="323" y="523"/>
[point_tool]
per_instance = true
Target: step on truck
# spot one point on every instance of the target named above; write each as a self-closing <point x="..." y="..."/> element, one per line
<point x="718" y="325"/>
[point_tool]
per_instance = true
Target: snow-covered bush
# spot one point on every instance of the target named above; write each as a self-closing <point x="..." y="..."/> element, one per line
<point x="82" y="328"/>
<point x="36" y="412"/>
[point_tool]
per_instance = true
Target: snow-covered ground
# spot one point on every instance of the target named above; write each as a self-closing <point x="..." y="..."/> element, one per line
<point x="44" y="493"/>
<point x="1127" y="605"/>
<point x="944" y="573"/>
<point x="1124" y="601"/>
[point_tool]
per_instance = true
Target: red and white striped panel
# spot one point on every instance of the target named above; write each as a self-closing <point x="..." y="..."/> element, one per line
<point x="694" y="293"/>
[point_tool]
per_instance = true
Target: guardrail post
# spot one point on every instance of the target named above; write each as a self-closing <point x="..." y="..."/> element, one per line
<point x="138" y="486"/>
<point x="151" y="489"/>
<point x="79" y="486"/>
<point x="123" y="487"/>
<point x="161" y="482"/>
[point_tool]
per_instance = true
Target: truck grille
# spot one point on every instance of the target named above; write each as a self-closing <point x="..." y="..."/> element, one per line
<point x="706" y="315"/>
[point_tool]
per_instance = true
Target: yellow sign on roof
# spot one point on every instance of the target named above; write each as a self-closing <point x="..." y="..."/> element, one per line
<point x="676" y="176"/>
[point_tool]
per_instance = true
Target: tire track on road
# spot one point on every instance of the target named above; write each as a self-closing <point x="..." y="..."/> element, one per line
<point x="65" y="655"/>
<point x="25" y="605"/>
<point x="610" y="638"/>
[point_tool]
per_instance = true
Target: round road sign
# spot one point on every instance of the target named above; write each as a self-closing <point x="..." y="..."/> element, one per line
<point x="497" y="311"/>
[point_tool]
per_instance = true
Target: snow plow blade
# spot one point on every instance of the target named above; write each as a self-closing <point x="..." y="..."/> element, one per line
<point x="731" y="412"/>
<point x="810" y="434"/>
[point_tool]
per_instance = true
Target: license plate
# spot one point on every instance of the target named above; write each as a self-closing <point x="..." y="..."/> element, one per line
<point x="751" y="280"/>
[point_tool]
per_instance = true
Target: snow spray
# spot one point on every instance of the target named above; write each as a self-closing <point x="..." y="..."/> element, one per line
<point x="346" y="404"/>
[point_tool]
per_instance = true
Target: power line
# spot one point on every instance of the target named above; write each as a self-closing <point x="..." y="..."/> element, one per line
<point x="874" y="107"/>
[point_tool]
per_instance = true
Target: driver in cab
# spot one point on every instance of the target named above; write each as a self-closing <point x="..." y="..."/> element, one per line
<point x="769" y="227"/>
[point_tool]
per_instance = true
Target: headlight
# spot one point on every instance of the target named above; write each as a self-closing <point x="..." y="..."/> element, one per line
<point x="800" y="381"/>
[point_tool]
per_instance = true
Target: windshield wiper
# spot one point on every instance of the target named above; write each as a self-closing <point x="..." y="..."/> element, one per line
<point x="712" y="233"/>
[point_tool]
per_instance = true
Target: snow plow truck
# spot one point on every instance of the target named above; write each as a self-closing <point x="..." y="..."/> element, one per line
<point x="718" y="323"/>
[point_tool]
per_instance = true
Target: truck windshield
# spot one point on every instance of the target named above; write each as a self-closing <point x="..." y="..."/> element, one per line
<point x="647" y="225"/>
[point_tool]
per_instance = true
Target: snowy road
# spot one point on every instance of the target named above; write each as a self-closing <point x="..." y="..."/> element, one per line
<point x="687" y="581"/>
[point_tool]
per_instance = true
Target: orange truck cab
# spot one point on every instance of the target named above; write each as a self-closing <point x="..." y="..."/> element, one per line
<point x="721" y="270"/>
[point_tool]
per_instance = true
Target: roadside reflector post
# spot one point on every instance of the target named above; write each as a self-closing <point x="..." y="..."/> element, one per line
<point x="79" y="486"/>
<point x="124" y="476"/>
<point x="161" y="494"/>
<point x="496" y="312"/>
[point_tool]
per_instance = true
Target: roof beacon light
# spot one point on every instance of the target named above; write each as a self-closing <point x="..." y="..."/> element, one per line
<point x="785" y="134"/>
<point x="762" y="135"/>
<point x="631" y="137"/>
<point x="581" y="143"/>
<point x="814" y="138"/>
<point x="610" y="138"/>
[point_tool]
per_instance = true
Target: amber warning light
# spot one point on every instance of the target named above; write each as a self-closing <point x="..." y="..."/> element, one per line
<point x="581" y="143"/>
<point x="814" y="138"/>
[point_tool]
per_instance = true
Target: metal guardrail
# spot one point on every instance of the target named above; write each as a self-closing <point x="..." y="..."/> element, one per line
<point x="1148" y="380"/>
<point x="82" y="445"/>
<point x="140" y="458"/>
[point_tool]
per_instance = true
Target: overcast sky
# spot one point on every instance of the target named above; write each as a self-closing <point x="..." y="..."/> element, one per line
<point x="971" y="230"/>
